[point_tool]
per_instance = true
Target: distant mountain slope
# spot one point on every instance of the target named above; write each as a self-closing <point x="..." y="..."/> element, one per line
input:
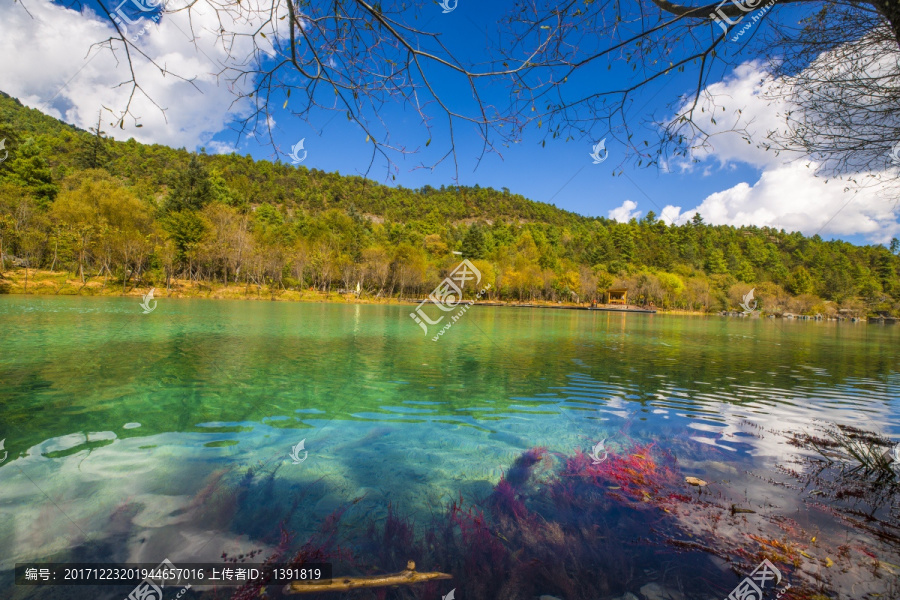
<point x="279" y="183"/>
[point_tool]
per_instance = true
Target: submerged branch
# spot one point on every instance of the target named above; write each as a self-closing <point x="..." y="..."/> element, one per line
<point x="406" y="577"/>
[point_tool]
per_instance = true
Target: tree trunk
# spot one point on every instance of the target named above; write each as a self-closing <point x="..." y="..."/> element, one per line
<point x="55" y="250"/>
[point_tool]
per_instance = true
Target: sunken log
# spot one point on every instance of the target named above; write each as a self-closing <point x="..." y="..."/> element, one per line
<point x="345" y="584"/>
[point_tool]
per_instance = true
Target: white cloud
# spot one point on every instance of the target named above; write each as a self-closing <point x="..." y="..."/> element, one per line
<point x="671" y="214"/>
<point x="787" y="194"/>
<point x="52" y="65"/>
<point x="625" y="213"/>
<point x="220" y="147"/>
<point x="737" y="102"/>
<point x="789" y="197"/>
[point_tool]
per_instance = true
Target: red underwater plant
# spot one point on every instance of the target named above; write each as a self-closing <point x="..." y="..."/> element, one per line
<point x="645" y="474"/>
<point x="505" y="502"/>
<point x="395" y="543"/>
<point x="478" y="539"/>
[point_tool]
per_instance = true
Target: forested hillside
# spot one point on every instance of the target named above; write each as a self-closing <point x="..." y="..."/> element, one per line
<point x="142" y="215"/>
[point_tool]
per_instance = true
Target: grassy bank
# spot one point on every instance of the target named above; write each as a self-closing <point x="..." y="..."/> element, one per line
<point x="57" y="283"/>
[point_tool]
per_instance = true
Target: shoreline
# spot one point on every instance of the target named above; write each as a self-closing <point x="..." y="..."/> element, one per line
<point x="56" y="283"/>
<point x="62" y="283"/>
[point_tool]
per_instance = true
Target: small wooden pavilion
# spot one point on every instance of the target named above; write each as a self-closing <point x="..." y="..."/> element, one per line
<point x="618" y="295"/>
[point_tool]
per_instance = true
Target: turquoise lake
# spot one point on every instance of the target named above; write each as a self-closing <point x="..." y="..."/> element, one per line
<point x="128" y="434"/>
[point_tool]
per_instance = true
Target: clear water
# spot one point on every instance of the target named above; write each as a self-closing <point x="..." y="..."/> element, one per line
<point x="122" y="428"/>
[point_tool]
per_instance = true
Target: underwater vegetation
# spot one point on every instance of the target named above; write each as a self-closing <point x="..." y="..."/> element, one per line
<point x="855" y="475"/>
<point x="856" y="451"/>
<point x="630" y="527"/>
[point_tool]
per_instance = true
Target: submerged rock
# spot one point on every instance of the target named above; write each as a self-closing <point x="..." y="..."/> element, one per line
<point x="654" y="591"/>
<point x="328" y="504"/>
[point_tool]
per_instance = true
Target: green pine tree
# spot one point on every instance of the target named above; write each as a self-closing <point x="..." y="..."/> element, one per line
<point x="30" y="170"/>
<point x="715" y="262"/>
<point x="186" y="229"/>
<point x="801" y="282"/>
<point x="473" y="244"/>
<point x="192" y="188"/>
<point x="93" y="152"/>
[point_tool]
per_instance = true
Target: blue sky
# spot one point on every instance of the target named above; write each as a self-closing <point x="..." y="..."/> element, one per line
<point x="560" y="172"/>
<point x="733" y="182"/>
